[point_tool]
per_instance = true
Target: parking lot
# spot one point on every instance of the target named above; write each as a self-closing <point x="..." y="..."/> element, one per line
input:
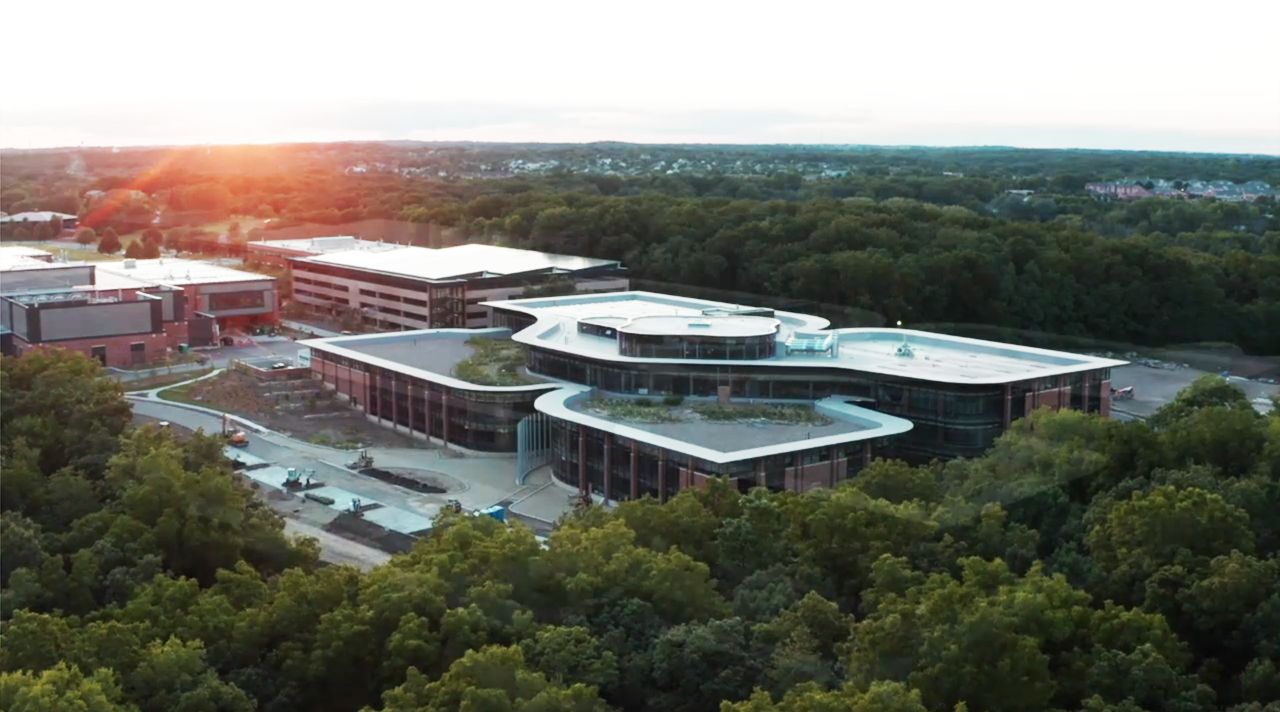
<point x="1153" y="387"/>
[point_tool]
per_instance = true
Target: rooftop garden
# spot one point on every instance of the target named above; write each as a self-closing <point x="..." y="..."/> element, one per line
<point x="673" y="409"/>
<point x="494" y="362"/>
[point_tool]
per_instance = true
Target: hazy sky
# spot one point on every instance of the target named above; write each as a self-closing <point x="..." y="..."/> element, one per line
<point x="1115" y="74"/>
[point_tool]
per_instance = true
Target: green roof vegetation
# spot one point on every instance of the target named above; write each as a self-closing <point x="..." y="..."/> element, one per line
<point x="494" y="362"/>
<point x="674" y="410"/>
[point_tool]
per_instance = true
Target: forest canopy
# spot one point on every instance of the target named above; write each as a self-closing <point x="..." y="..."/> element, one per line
<point x="1083" y="564"/>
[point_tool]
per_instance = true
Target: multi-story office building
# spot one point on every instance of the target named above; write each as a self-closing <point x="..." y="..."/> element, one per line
<point x="400" y="287"/>
<point x="125" y="313"/>
<point x="633" y="393"/>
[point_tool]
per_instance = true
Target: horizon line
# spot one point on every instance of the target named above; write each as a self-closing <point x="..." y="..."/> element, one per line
<point x="742" y="144"/>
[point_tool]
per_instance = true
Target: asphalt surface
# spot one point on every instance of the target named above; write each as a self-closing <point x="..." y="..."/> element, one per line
<point x="1153" y="387"/>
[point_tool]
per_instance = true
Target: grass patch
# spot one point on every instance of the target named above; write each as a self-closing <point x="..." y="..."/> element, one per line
<point x="330" y="441"/>
<point x="782" y="414"/>
<point x="494" y="362"/>
<point x="146" y="384"/>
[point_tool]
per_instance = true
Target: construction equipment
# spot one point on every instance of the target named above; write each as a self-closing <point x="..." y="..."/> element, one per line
<point x="362" y="461"/>
<point x="454" y="506"/>
<point x="234" y="437"/>
<point x="1120" y="394"/>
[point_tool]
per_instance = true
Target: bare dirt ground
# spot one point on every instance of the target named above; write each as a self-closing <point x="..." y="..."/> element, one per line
<point x="299" y="408"/>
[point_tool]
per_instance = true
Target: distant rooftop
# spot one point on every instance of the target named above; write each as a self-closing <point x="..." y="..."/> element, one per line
<point x="36" y="216"/>
<point x="896" y="352"/>
<point x="10" y="252"/>
<point x="324" y="245"/>
<point x="176" y="272"/>
<point x="730" y="441"/>
<point x="470" y="260"/>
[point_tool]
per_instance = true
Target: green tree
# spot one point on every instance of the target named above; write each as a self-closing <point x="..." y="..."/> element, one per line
<point x="878" y="697"/>
<point x="1205" y="392"/>
<point x="61" y="688"/>
<point x="1167" y="526"/>
<point x="62" y="404"/>
<point x="492" y="678"/>
<point x="173" y="675"/>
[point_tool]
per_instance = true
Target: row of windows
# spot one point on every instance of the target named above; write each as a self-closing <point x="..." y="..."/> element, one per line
<point x="655" y="468"/>
<point x="697" y="347"/>
<point x="321" y="283"/>
<point x="317" y="295"/>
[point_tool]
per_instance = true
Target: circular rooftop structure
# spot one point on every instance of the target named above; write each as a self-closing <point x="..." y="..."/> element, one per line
<point x="699" y="337"/>
<point x="716" y="326"/>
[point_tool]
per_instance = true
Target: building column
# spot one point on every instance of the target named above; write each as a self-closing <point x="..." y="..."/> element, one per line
<point x="662" y="475"/>
<point x="762" y="479"/>
<point x="941" y="412"/>
<point x="833" y="466"/>
<point x="444" y="418"/>
<point x="583" y="485"/>
<point x="375" y="383"/>
<point x="797" y="478"/>
<point x="426" y="406"/>
<point x="691" y="478"/>
<point x="1008" y="406"/>
<point x="395" y="405"/>
<point x="1084" y="392"/>
<point x="635" y="471"/>
<point x="866" y="453"/>
<point x="608" y="464"/>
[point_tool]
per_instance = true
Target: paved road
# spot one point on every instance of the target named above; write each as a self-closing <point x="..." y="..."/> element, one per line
<point x="475" y="481"/>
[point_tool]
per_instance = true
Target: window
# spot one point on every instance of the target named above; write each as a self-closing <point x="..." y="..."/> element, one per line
<point x="237" y="300"/>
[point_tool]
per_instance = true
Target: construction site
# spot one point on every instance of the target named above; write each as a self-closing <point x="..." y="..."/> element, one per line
<point x="284" y="397"/>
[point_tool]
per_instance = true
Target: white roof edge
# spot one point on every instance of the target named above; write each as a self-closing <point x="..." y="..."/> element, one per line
<point x="1088" y="363"/>
<point x="555" y="404"/>
<point x="328" y="345"/>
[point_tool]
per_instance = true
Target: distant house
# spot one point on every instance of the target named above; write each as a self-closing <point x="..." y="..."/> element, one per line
<point x="40" y="216"/>
<point x="1117" y="191"/>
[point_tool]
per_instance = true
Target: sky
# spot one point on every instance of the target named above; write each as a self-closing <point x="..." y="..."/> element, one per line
<point x="1121" y="74"/>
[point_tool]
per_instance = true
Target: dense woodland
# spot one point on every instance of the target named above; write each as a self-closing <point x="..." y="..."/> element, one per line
<point x="1083" y="564"/>
<point x="891" y="237"/>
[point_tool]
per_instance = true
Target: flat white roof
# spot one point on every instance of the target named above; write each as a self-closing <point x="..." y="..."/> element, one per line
<point x="177" y="272"/>
<point x="926" y="356"/>
<point x="15" y="251"/>
<point x="456" y="262"/>
<point x="23" y="262"/>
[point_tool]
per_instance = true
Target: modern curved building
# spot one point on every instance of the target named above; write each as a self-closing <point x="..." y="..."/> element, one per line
<point x="628" y="394"/>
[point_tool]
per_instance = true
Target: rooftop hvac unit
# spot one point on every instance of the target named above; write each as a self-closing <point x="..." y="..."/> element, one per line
<point x="130" y="264"/>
